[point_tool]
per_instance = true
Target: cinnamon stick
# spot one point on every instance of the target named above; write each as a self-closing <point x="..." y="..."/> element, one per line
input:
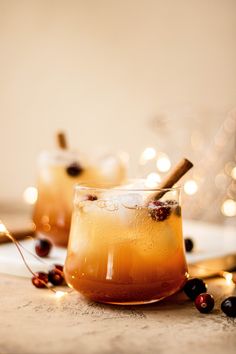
<point x="61" y="140"/>
<point x="182" y="167"/>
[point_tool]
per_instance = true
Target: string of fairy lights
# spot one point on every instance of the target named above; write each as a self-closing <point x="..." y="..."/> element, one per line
<point x="210" y="188"/>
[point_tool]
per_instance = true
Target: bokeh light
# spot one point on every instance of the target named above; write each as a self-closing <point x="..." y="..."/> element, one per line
<point x="163" y="163"/>
<point x="228" y="208"/>
<point x="190" y="187"/>
<point x="153" y="180"/>
<point x="148" y="154"/>
<point x="233" y="173"/>
<point x="30" y="195"/>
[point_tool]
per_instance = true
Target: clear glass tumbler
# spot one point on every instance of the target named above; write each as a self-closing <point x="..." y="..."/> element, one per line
<point x="125" y="245"/>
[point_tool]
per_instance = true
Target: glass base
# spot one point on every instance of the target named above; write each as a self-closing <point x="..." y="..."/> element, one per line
<point x="145" y="302"/>
<point x="133" y="303"/>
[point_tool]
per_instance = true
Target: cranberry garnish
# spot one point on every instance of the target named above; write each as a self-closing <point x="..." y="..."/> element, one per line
<point x="90" y="197"/>
<point x="74" y="169"/>
<point x="56" y="276"/>
<point x="40" y="279"/>
<point x="228" y="306"/>
<point x="42" y="247"/>
<point x="204" y="302"/>
<point x="171" y="202"/>
<point x="194" y="287"/>
<point x="159" y="211"/>
<point x="188" y="244"/>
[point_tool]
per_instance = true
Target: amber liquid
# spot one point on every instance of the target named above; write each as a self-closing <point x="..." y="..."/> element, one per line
<point x="124" y="256"/>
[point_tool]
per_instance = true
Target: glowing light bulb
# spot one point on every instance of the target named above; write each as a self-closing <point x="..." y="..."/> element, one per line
<point x="152" y="180"/>
<point x="190" y="187"/>
<point x="163" y="163"/>
<point x="228" y="208"/>
<point x="148" y="154"/>
<point x="30" y="195"/>
<point x="233" y="173"/>
<point x="228" y="277"/>
<point x="3" y="228"/>
<point x="60" y="294"/>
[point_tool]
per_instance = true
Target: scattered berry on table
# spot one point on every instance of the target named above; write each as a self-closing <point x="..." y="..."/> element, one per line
<point x="194" y="287"/>
<point x="204" y="302"/>
<point x="42" y="247"/>
<point x="228" y="306"/>
<point x="40" y="279"/>
<point x="55" y="276"/>
<point x="188" y="242"/>
<point x="59" y="267"/>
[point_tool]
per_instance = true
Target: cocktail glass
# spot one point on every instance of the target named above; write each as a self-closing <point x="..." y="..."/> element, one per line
<point x="58" y="172"/>
<point x="126" y="247"/>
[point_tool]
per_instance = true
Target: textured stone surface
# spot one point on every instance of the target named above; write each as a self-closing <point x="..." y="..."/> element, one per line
<point x="33" y="321"/>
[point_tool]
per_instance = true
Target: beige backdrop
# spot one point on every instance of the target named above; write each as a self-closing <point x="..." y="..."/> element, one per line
<point x="101" y="69"/>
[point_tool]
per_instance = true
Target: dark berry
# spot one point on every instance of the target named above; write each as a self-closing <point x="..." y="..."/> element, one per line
<point x="188" y="244"/>
<point x="194" y="287"/>
<point x="40" y="279"/>
<point x="171" y="202"/>
<point x="159" y="211"/>
<point x="59" y="267"/>
<point x="74" y="169"/>
<point x="228" y="306"/>
<point x="56" y="276"/>
<point x="42" y="247"/>
<point x="90" y="197"/>
<point x="204" y="302"/>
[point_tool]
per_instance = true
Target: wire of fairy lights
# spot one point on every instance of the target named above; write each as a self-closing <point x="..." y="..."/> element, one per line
<point x="5" y="232"/>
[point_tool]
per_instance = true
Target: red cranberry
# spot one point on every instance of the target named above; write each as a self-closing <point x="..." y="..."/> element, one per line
<point x="188" y="244"/>
<point x="204" y="303"/>
<point x="90" y="197"/>
<point x="40" y="279"/>
<point x="56" y="276"/>
<point x="194" y="287"/>
<point x="159" y="211"/>
<point x="171" y="202"/>
<point x="59" y="267"/>
<point x="228" y="306"/>
<point x="74" y="169"/>
<point x="43" y="247"/>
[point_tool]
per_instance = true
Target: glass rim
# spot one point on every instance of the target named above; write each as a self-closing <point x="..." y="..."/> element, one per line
<point x="84" y="187"/>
